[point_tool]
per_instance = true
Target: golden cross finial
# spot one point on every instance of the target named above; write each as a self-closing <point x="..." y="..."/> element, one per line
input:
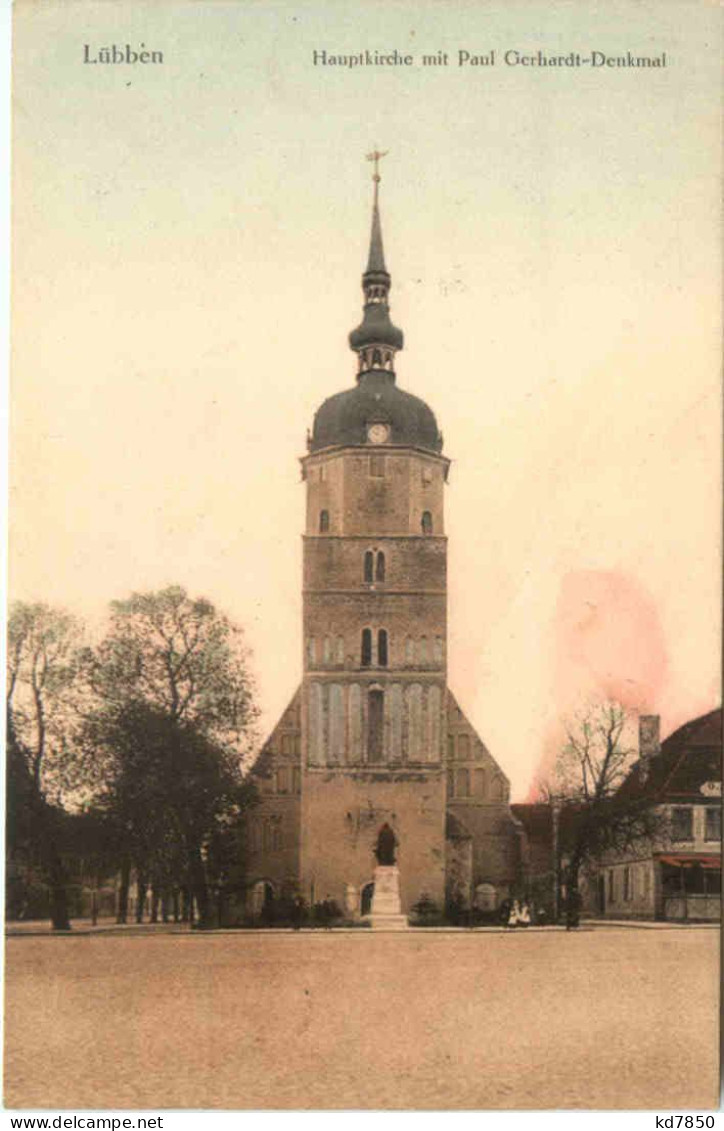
<point x="375" y="156"/>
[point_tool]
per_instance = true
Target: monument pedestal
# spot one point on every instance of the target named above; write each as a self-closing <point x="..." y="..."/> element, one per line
<point x="386" y="913"/>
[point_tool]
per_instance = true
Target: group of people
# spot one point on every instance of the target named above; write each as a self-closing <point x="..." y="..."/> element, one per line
<point x="516" y="913"/>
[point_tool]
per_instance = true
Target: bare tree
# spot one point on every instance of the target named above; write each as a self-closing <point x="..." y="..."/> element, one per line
<point x="595" y="816"/>
<point x="44" y="662"/>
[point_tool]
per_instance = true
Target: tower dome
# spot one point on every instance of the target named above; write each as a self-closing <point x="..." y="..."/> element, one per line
<point x="346" y="417"/>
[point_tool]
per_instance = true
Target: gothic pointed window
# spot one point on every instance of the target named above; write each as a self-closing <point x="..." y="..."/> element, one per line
<point x="375" y="725"/>
<point x="369" y="566"/>
<point x="382" y="648"/>
<point x="380" y="567"/>
<point x="366" y="647"/>
<point x="426" y="522"/>
<point x="323" y="522"/>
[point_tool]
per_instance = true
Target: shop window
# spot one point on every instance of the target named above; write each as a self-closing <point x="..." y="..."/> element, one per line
<point x="712" y="825"/>
<point x="682" y="824"/>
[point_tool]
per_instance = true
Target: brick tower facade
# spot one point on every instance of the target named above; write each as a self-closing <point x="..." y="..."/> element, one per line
<point x="363" y="749"/>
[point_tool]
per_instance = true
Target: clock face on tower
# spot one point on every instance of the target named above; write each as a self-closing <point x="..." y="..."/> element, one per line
<point x="378" y="433"/>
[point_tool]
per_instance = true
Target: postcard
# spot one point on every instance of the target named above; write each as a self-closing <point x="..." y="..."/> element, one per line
<point x="364" y="634"/>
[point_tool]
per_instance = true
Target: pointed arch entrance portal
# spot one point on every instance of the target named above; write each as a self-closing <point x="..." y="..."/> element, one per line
<point x="366" y="896"/>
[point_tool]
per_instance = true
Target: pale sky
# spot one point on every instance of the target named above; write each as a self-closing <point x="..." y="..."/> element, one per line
<point x="188" y="244"/>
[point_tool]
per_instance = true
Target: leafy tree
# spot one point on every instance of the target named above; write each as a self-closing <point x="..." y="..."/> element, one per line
<point x="174" y="718"/>
<point x="184" y="658"/>
<point x="595" y="817"/>
<point x="44" y="665"/>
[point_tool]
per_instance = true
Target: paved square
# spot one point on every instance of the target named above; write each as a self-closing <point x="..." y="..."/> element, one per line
<point x="603" y="1018"/>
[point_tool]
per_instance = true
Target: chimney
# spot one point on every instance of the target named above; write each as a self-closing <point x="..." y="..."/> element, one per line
<point x="649" y="743"/>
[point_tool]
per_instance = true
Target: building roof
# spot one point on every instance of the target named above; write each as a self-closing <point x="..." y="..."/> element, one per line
<point x="343" y="418"/>
<point x="689" y="758"/>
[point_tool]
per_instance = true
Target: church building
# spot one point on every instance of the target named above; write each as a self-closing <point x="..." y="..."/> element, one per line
<point x="373" y="765"/>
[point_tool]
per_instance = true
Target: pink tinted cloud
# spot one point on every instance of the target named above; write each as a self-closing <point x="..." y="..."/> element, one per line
<point x="609" y="645"/>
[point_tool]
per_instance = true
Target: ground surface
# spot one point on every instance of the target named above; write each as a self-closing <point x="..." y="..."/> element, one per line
<point x="605" y="1018"/>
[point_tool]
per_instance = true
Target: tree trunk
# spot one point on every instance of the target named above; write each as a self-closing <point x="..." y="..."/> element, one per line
<point x="57" y="883"/>
<point x="122" y="914"/>
<point x="155" y="899"/>
<point x="573" y="898"/>
<point x="141" y="886"/>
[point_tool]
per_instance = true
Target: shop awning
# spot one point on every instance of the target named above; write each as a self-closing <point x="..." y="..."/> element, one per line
<point x="711" y="862"/>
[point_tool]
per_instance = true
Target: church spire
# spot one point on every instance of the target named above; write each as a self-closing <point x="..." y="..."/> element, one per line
<point x="376" y="340"/>
<point x="376" y="259"/>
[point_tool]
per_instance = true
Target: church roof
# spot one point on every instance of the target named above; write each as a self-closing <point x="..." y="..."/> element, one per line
<point x="343" y="418"/>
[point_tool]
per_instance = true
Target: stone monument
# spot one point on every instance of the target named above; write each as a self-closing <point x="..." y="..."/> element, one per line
<point x="386" y="911"/>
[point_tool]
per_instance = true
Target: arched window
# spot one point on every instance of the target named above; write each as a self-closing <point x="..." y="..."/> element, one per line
<point x="462" y="783"/>
<point x="323" y="522"/>
<point x="422" y="650"/>
<point x="369" y="566"/>
<point x="409" y="650"/>
<point x="366" y="647"/>
<point x="437" y="650"/>
<point x="375" y="725"/>
<point x="382" y="648"/>
<point x="380" y="568"/>
<point x="426" y="522"/>
<point x="327" y="650"/>
<point x="340" y="650"/>
<point x="311" y="650"/>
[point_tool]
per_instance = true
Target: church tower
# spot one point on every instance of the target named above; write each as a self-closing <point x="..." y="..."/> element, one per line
<point x="374" y="598"/>
<point x="373" y="765"/>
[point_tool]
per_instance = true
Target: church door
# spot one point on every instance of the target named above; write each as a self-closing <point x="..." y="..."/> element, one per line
<point x="367" y="893"/>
